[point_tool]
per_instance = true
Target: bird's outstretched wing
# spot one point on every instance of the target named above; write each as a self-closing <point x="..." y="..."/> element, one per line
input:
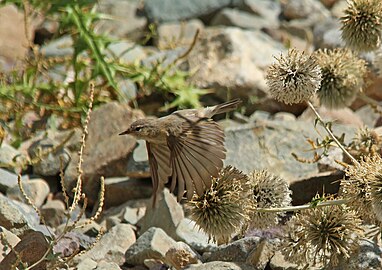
<point x="197" y="154"/>
<point x="159" y="161"/>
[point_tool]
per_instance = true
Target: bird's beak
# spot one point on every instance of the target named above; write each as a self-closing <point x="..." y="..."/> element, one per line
<point x="125" y="132"/>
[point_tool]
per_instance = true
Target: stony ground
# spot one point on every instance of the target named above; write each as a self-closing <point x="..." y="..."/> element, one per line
<point x="237" y="42"/>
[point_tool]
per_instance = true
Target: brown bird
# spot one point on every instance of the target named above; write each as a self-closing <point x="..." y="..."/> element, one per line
<point x="187" y="146"/>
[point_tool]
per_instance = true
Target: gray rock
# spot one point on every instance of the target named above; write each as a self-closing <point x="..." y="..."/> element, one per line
<point x="60" y="47"/>
<point x="72" y="243"/>
<point x="261" y="255"/>
<point x="233" y="252"/>
<point x="328" y="34"/>
<point x="264" y="8"/>
<point x="269" y="144"/>
<point x="8" y="180"/>
<point x="300" y="9"/>
<point x="278" y="262"/>
<point x="106" y="153"/>
<point x="121" y="189"/>
<point x="369" y="256"/>
<point x="126" y="22"/>
<point x="242" y="19"/>
<point x="232" y="58"/>
<point x="284" y="116"/>
<point x="153" y="244"/>
<point x="128" y="90"/>
<point x="11" y="238"/>
<point x="103" y="265"/>
<point x="164" y="58"/>
<point x="222" y="266"/>
<point x="86" y="264"/>
<point x="178" y="33"/>
<point x="167" y="215"/>
<point x="91" y="228"/>
<point x="37" y="190"/>
<point x="138" y="162"/>
<point x="126" y="52"/>
<point x="368" y="116"/>
<point x="190" y="233"/>
<point x="133" y="215"/>
<point x="7" y="153"/>
<point x="113" y="245"/>
<point x="177" y="10"/>
<point x="17" y="217"/>
<point x="48" y="165"/>
<point x="53" y="212"/>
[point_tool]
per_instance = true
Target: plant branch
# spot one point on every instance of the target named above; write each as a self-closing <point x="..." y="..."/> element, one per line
<point x="302" y="207"/>
<point x="331" y="134"/>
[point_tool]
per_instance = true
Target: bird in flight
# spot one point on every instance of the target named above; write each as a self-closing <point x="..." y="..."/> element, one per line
<point x="186" y="146"/>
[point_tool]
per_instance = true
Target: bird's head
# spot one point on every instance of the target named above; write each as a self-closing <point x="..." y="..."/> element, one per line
<point x="142" y="129"/>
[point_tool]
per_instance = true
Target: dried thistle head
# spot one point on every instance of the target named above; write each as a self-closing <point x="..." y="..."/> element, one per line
<point x="365" y="143"/>
<point x="362" y="25"/>
<point x="294" y="78"/>
<point x="358" y="188"/>
<point x="269" y="191"/>
<point x="224" y="208"/>
<point x="342" y="77"/>
<point x="322" y="236"/>
<point x="376" y="195"/>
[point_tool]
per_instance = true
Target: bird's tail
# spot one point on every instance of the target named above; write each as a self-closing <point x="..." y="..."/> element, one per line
<point x="225" y="107"/>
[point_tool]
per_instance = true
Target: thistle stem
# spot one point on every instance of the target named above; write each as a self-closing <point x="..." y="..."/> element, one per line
<point x="331" y="134"/>
<point x="302" y="207"/>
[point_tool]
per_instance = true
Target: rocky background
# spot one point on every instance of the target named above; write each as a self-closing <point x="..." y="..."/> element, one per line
<point x="237" y="42"/>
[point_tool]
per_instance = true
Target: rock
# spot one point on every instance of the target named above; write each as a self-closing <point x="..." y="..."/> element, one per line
<point x="48" y="164"/>
<point x="15" y="46"/>
<point x="301" y="9"/>
<point x="260" y="256"/>
<point x="368" y="116"/>
<point x="7" y="153"/>
<point x="53" y="212"/>
<point x="103" y="265"/>
<point x="106" y="153"/>
<point x="10" y="238"/>
<point x="113" y="245"/>
<point x="278" y="262"/>
<point x="329" y="3"/>
<point x="180" y="34"/>
<point x="111" y="222"/>
<point x="316" y="183"/>
<point x="126" y="52"/>
<point x="138" y="162"/>
<point x="232" y="58"/>
<point x="153" y="244"/>
<point x="60" y="47"/>
<point x="221" y="266"/>
<point x="328" y="34"/>
<point x="164" y="58"/>
<point x="133" y="215"/>
<point x="86" y="264"/>
<point x="72" y="243"/>
<point x="8" y="180"/>
<point x="270" y="143"/>
<point x="369" y="256"/>
<point x="36" y="189"/>
<point x="284" y="116"/>
<point x="17" y="217"/>
<point x="126" y="22"/>
<point x="91" y="228"/>
<point x="189" y="232"/>
<point x="128" y="90"/>
<point x="30" y="250"/>
<point x="264" y="8"/>
<point x="175" y="10"/>
<point x="338" y="8"/>
<point x="343" y="116"/>
<point x="242" y="19"/>
<point x="180" y="256"/>
<point x="166" y="215"/>
<point x="233" y="252"/>
<point x="121" y="189"/>
<point x="128" y="212"/>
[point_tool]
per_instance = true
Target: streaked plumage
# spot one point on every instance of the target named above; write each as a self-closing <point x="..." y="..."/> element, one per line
<point x="186" y="147"/>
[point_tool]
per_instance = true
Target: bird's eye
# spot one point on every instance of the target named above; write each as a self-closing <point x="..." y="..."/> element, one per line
<point x="138" y="129"/>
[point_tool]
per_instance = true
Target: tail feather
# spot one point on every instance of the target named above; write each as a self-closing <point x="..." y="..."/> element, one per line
<point x="225" y="107"/>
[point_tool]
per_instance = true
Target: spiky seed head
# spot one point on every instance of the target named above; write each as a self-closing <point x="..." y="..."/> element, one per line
<point x="269" y="191"/>
<point x="359" y="185"/>
<point x="376" y="195"/>
<point x="343" y="76"/>
<point x="366" y="142"/>
<point x="223" y="209"/>
<point x="322" y="236"/>
<point x="362" y="25"/>
<point x="293" y="78"/>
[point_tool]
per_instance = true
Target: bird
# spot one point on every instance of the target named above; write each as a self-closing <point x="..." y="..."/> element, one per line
<point x="186" y="147"/>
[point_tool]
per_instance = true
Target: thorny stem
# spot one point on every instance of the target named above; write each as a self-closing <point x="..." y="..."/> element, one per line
<point x="302" y="207"/>
<point x="331" y="134"/>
